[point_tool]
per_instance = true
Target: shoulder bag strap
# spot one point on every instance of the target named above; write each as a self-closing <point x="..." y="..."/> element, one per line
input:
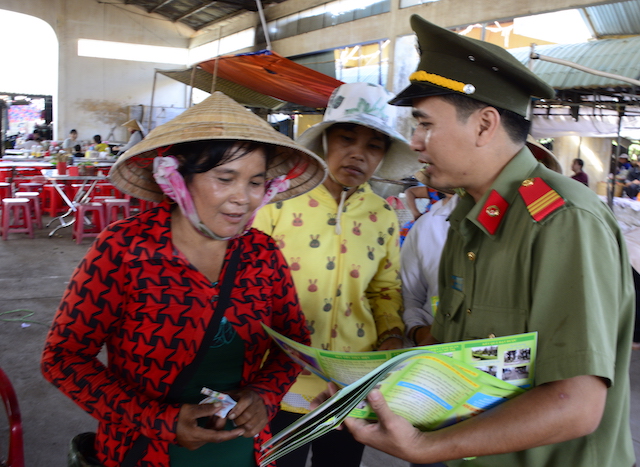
<point x="137" y="451"/>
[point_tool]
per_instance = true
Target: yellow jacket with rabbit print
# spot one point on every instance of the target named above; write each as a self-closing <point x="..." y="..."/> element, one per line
<point x="345" y="268"/>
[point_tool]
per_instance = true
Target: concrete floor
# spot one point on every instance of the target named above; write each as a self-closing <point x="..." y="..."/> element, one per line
<point x="33" y="276"/>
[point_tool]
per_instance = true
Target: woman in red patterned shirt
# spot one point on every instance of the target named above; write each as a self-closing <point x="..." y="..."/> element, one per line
<point x="178" y="295"/>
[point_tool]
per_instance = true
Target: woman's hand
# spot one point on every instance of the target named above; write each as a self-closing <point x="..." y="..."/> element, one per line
<point x="390" y="340"/>
<point x="332" y="388"/>
<point x="191" y="436"/>
<point x="250" y="413"/>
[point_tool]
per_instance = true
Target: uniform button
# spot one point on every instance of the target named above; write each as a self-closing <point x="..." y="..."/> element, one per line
<point x="448" y="315"/>
<point x="471" y="256"/>
<point x="214" y="298"/>
<point x="469" y="311"/>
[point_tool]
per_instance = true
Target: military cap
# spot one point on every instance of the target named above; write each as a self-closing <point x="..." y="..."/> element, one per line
<point x="454" y="64"/>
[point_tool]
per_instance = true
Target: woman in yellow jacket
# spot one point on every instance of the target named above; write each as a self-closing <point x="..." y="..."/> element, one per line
<point x="341" y="243"/>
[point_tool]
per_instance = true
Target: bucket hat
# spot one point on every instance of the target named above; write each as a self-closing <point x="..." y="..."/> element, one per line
<point x="217" y="118"/>
<point x="365" y="104"/>
<point x="451" y="63"/>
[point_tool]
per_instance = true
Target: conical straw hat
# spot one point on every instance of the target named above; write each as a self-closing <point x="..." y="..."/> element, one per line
<point x="134" y="124"/>
<point x="217" y="118"/>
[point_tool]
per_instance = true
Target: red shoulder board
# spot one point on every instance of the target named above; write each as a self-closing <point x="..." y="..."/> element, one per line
<point x="540" y="199"/>
<point x="493" y="211"/>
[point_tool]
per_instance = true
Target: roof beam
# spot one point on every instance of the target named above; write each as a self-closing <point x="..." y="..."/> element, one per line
<point x="160" y="5"/>
<point x="220" y="21"/>
<point x="195" y="10"/>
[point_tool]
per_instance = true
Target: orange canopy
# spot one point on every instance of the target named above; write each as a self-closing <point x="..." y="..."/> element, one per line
<point x="268" y="73"/>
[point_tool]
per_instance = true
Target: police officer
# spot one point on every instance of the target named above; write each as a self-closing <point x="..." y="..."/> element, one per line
<point x="528" y="250"/>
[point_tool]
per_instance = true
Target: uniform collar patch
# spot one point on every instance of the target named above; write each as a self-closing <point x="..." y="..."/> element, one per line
<point x="493" y="211"/>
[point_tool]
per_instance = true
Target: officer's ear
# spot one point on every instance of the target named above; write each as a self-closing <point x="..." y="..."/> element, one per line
<point x="488" y="122"/>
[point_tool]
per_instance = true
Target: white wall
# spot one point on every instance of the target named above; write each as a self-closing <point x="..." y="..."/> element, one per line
<point x="94" y="94"/>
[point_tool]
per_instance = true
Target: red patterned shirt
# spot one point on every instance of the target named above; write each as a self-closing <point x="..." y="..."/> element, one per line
<point x="134" y="293"/>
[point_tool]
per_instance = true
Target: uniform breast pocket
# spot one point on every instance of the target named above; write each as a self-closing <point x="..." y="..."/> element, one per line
<point x="445" y="328"/>
<point x="486" y="321"/>
<point x="449" y="305"/>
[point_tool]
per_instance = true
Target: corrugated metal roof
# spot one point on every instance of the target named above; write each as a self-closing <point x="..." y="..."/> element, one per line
<point x="617" y="56"/>
<point x="614" y="19"/>
<point x="197" y="14"/>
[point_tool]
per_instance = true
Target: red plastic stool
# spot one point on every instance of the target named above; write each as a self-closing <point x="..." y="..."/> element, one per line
<point x="29" y="186"/>
<point x="5" y="190"/>
<point x="52" y="203"/>
<point x="114" y="206"/>
<point x="144" y="204"/>
<point x="6" y="174"/>
<point x="15" y="457"/>
<point x="100" y="199"/>
<point x="96" y="213"/>
<point x="16" y="217"/>
<point x="36" y="211"/>
<point x="104" y="189"/>
<point x="72" y="190"/>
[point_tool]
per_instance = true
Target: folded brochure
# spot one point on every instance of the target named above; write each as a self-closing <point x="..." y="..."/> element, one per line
<point x="431" y="386"/>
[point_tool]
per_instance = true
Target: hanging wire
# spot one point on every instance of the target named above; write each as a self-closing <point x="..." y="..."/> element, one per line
<point x="217" y="59"/>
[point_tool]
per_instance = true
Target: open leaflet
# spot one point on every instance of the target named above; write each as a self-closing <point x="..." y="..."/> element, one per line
<point x="432" y="386"/>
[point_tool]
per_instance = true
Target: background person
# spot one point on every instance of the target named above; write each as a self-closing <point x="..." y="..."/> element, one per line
<point x="507" y="268"/>
<point x="419" y="199"/>
<point x="136" y="133"/>
<point x="623" y="162"/>
<point x="98" y="145"/>
<point x="168" y="305"/>
<point x="578" y="174"/>
<point x="341" y="241"/>
<point x="69" y="143"/>
<point x="419" y="265"/>
<point x="632" y="182"/>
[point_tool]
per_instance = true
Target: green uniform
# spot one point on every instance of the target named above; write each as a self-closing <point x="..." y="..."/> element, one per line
<point x="553" y="262"/>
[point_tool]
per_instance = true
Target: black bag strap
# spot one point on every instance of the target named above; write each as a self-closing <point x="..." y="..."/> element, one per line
<point x="140" y="445"/>
<point x="223" y="303"/>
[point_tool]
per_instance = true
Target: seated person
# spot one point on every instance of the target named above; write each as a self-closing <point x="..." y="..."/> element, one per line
<point x="136" y="134"/>
<point x="98" y="145"/>
<point x="70" y="142"/>
<point x="632" y="182"/>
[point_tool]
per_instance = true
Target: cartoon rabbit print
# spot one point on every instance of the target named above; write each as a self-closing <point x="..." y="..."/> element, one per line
<point x="356" y="228"/>
<point x="315" y="243"/>
<point x="331" y="262"/>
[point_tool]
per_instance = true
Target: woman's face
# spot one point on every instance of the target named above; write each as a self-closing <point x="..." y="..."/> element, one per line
<point x="226" y="196"/>
<point x="354" y="153"/>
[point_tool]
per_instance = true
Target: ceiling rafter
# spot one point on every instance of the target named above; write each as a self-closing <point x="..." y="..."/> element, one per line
<point x="160" y="5"/>
<point x="195" y="10"/>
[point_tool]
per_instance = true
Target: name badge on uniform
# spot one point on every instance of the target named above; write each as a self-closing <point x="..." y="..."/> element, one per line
<point x="457" y="283"/>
